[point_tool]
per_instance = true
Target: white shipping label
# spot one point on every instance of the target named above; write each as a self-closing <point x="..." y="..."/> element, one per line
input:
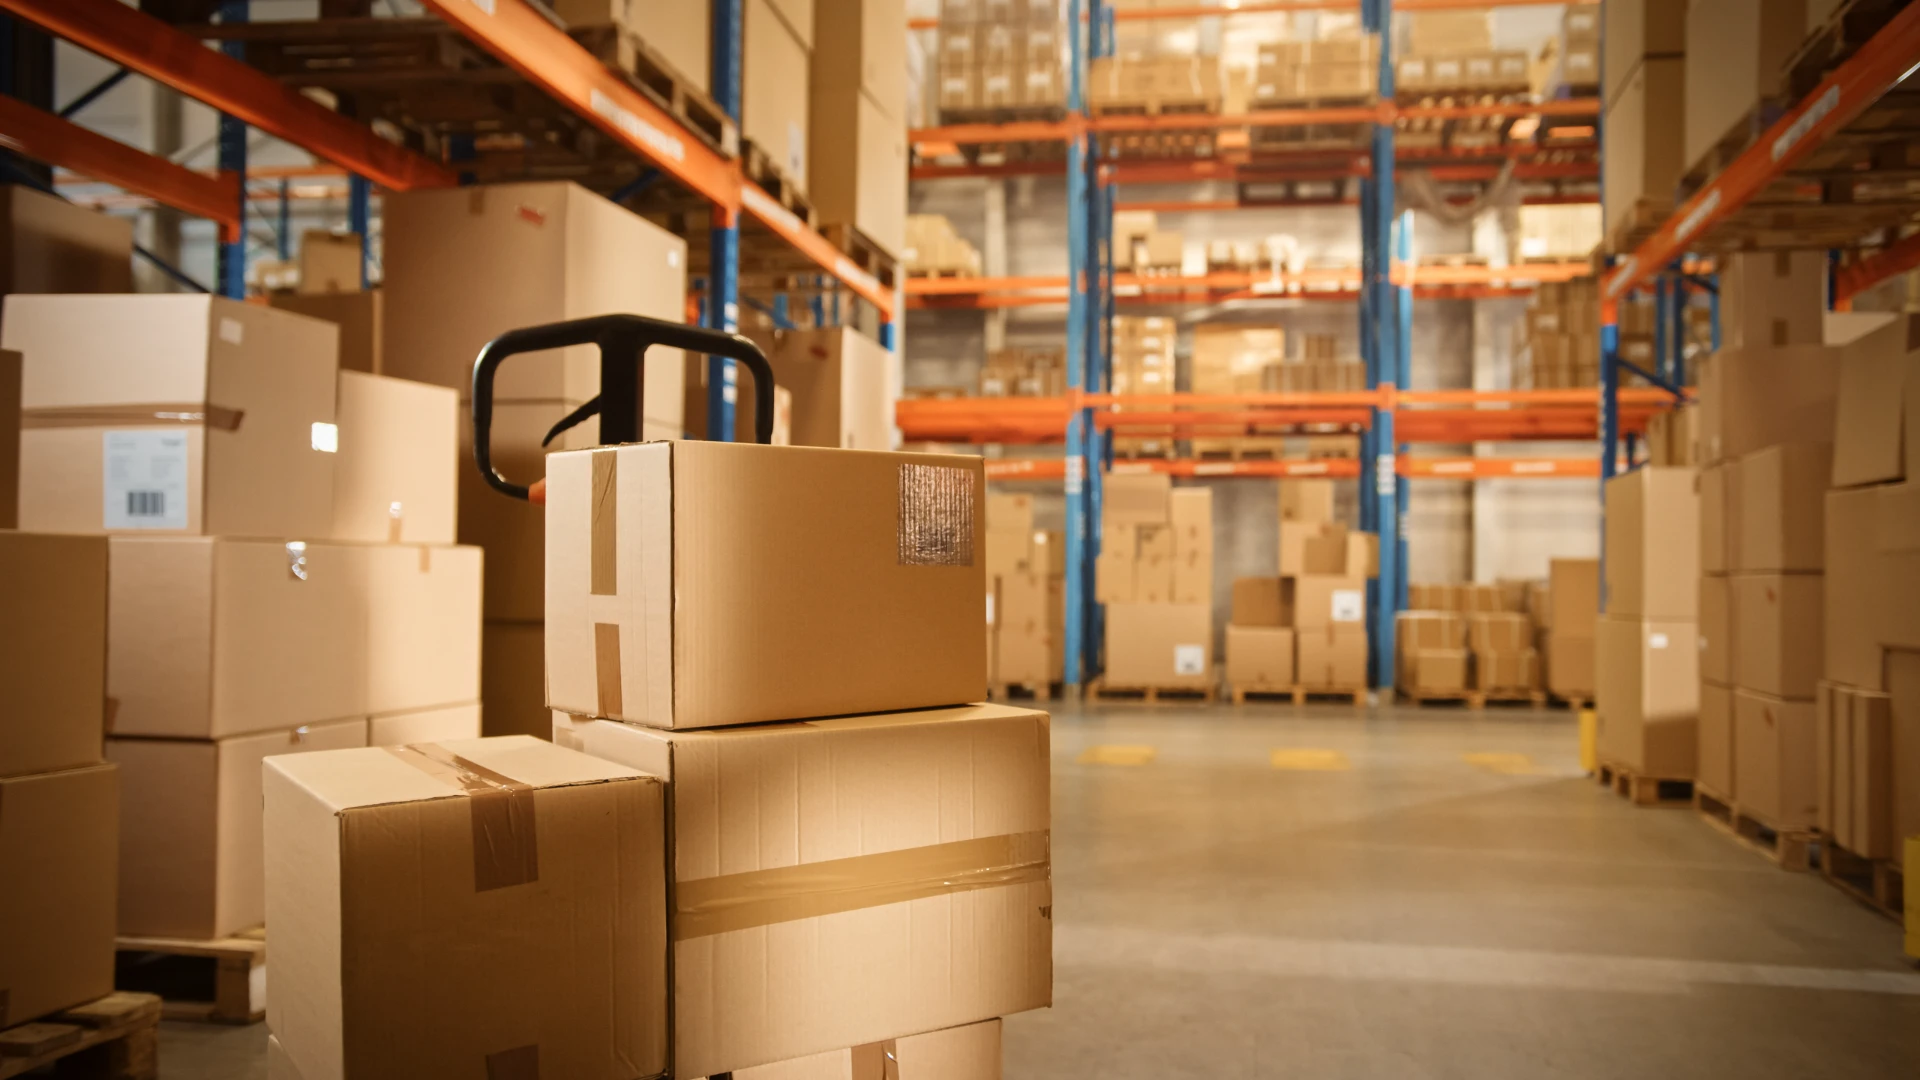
<point x="989" y="609"/>
<point x="1349" y="605"/>
<point x="1189" y="660"/>
<point x="1656" y="641"/>
<point x="143" y="479"/>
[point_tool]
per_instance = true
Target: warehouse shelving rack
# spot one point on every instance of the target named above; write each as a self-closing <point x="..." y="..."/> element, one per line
<point x="744" y="221"/>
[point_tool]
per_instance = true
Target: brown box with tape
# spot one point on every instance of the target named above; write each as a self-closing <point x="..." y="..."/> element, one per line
<point x="423" y="927"/>
<point x="699" y="584"/>
<point x="887" y="823"/>
<point x="178" y="415"/>
<point x="968" y="1052"/>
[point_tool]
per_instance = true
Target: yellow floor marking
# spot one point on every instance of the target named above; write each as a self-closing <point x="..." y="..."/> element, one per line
<point x="1117" y="755"/>
<point x="1504" y="764"/>
<point x="1311" y="760"/>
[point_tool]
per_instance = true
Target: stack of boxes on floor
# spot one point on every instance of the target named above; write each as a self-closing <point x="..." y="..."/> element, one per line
<point x="1155" y="576"/>
<point x="1457" y="638"/>
<point x="281" y="571"/>
<point x="1765" y="428"/>
<point x="1567" y="623"/>
<point x="1320" y="595"/>
<point x="1143" y="363"/>
<point x="1433" y="651"/>
<point x="1026" y="597"/>
<point x="463" y="267"/>
<point x="999" y="57"/>
<point x="1644" y="130"/>
<point x="1646" y="655"/>
<point x="1237" y="360"/>
<point x="1560" y="337"/>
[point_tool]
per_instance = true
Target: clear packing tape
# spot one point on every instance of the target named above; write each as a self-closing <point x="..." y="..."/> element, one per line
<point x="506" y="850"/>
<point x="936" y="515"/>
<point x="145" y="414"/>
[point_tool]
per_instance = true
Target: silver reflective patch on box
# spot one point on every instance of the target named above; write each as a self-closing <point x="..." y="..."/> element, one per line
<point x="936" y="515"/>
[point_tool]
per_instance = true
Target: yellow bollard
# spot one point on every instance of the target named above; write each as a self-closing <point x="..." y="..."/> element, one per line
<point x="1589" y="741"/>
<point x="1913" y="902"/>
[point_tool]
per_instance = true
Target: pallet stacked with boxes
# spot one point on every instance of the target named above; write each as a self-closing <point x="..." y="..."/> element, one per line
<point x="1469" y="642"/>
<point x="857" y="147"/>
<point x="1737" y="50"/>
<point x="1026" y="599"/>
<point x="1451" y="54"/>
<point x="1320" y="594"/>
<point x="1143" y="363"/>
<point x="1155" y="576"/>
<point x="1433" y="661"/>
<point x="1644" y="133"/>
<point x="1000" y="59"/>
<point x="1322" y="367"/>
<point x="776" y="93"/>
<point x="1567" y="618"/>
<point x="933" y="249"/>
<point x="1560" y="337"/>
<point x="1024" y="372"/>
<point x="1236" y="360"/>
<point x="463" y="267"/>
<point x="1141" y="245"/>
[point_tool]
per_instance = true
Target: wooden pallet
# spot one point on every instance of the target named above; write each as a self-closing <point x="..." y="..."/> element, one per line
<point x="1100" y="690"/>
<point x="764" y="170"/>
<point x="1004" y="114"/>
<point x="1240" y="695"/>
<point x="1467" y="698"/>
<point x="113" y="1038"/>
<point x="1851" y="25"/>
<point x="1787" y="849"/>
<point x="647" y="71"/>
<point x="222" y="981"/>
<point x="1354" y="695"/>
<point x="943" y="272"/>
<point x="1740" y="135"/>
<point x="1239" y="448"/>
<point x="1573" y="704"/>
<point x="1638" y="224"/>
<point x="1029" y="691"/>
<point x="1877" y="883"/>
<point x="862" y="252"/>
<point x="1645" y="790"/>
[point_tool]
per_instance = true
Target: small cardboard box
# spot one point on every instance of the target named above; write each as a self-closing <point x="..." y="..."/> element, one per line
<point x="971" y="1052"/>
<point x="1717" y="637"/>
<point x="1135" y="498"/>
<point x="1115" y="579"/>
<point x="1023" y="633"/>
<point x="1714" y="768"/>
<point x="1648" y="697"/>
<point x="1259" y="657"/>
<point x="1574" y="596"/>
<point x="425" y="927"/>
<point x="1332" y="657"/>
<point x="1190" y="512"/>
<point x="1773" y="760"/>
<point x="1570" y="666"/>
<point x="357" y="314"/>
<point x="816" y="582"/>
<point x="1782" y="496"/>
<point x="782" y="950"/>
<point x="1192" y="579"/>
<point x="49" y="245"/>
<point x="1769" y="299"/>
<point x="1653" y="545"/>
<point x="1779" y="645"/>
<point x="839" y="381"/>
<point x="53" y="670"/>
<point x="1160" y="645"/>
<point x="1436" y="670"/>
<point x="1499" y="631"/>
<point x="1872" y="410"/>
<point x="174" y="414"/>
<point x="1506" y="669"/>
<point x="1306" y="500"/>
<point x="1261" y="601"/>
<point x="425" y="725"/>
<point x="190" y="841"/>
<point x="1719" y="488"/>
<point x="394" y="476"/>
<point x="59" y="839"/>
<point x="423" y="627"/>
<point x="208" y="638"/>
<point x="1327" y="600"/>
<point x="1754" y="398"/>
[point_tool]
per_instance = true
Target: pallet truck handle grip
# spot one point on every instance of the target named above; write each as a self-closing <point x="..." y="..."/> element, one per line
<point x="618" y="337"/>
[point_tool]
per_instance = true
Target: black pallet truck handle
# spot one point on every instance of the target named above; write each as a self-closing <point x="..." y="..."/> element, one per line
<point x="623" y="341"/>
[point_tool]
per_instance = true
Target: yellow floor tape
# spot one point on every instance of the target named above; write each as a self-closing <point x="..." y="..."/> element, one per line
<point x="1502" y="763"/>
<point x="1311" y="760"/>
<point x="1117" y="755"/>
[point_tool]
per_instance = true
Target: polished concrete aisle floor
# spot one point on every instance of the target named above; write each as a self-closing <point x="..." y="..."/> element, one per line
<point x="1404" y="894"/>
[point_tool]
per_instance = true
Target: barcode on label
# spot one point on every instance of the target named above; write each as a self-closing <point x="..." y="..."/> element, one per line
<point x="146" y="504"/>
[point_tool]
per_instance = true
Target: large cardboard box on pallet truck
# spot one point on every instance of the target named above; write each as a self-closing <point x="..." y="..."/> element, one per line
<point x="886" y="825"/>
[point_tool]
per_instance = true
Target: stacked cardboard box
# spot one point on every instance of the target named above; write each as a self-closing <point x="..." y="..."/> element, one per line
<point x="1867" y="739"/>
<point x="1293" y="73"/>
<point x="59" y="836"/>
<point x="1026" y="596"/>
<point x="1024" y="372"/>
<point x="1738" y="48"/>
<point x="1461" y="599"/>
<point x="844" y="584"/>
<point x="1559" y="342"/>
<point x="1566" y="614"/>
<point x="357" y="312"/>
<point x="1236" y="360"/>
<point x="1260" y="637"/>
<point x="1670" y="436"/>
<point x="461" y="269"/>
<point x="858" y="149"/>
<point x="932" y="247"/>
<point x="1319" y="596"/>
<point x="1645" y="135"/>
<point x="776" y="96"/>
<point x="1001" y="56"/>
<point x="1322" y="367"/>
<point x="192" y="430"/>
<point x="1140" y="245"/>
<point x="678" y="36"/>
<point x="49" y="245"/>
<point x="1143" y="363"/>
<point x="1646" y="659"/>
<point x="1155" y="574"/>
<point x="830" y="389"/>
<point x="1557" y="232"/>
<point x="1432" y="648"/>
<point x="1134" y="82"/>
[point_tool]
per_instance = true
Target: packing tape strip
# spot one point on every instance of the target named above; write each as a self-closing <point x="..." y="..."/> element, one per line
<point x="717" y="905"/>
<point x="214" y="417"/>
<point x="506" y="849"/>
<point x="519" y="1063"/>
<point x="876" y="1061"/>
<point x="935" y="525"/>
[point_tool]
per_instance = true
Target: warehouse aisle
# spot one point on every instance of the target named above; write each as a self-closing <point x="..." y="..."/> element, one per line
<point x="1321" y="897"/>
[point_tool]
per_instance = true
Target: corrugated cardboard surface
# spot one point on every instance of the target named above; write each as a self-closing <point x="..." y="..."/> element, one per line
<point x="1653" y="544"/>
<point x="839" y="383"/>
<point x="1306" y="500"/>
<point x="680" y="32"/>
<point x="425" y="725"/>
<point x="774" y="92"/>
<point x="190" y="843"/>
<point x="394" y="477"/>
<point x="858" y="163"/>
<point x="1333" y="656"/>
<point x="971" y="1052"/>
<point x="1717" y="623"/>
<point x="1648" y="695"/>
<point x="422" y="931"/>
<point x="1574" y="597"/>
<point x="1135" y="498"/>
<point x="9" y="439"/>
<point x="423" y="626"/>
<point x="357" y="314"/>
<point x="1782" y="492"/>
<point x="209" y="638"/>
<point x="53" y="670"/>
<point x="513" y="531"/>
<point x="1259" y="657"/>
<point x="1855" y="588"/>
<point x="1903" y="684"/>
<point x="1773" y="753"/>
<point x="764" y="799"/>
<point x="697" y="584"/>
<point x="1159" y="645"/>
<point x="267" y="376"/>
<point x="1261" y="601"/>
<point x="1570" y="665"/>
<point x="1436" y="669"/>
<point x="1779" y="646"/>
<point x="1716" y="751"/>
<point x="1759" y="397"/>
<point x="1719" y="488"/>
<point x="1023" y="634"/>
<point x="1325" y="600"/>
<point x="513" y="679"/>
<point x="1737" y="48"/>
<point x="1639" y="28"/>
<point x="49" y="245"/>
<point x="59" y="836"/>
<point x="1645" y="138"/>
<point x="1870" y="415"/>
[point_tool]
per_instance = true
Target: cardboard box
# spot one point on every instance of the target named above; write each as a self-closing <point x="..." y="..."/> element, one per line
<point x="513" y="680"/>
<point x="49" y="245"/>
<point x="1782" y="492"/>
<point x="190" y="841"/>
<point x="775" y="101"/>
<point x="1720" y="519"/>
<point x="1507" y="669"/>
<point x="1114" y="579"/>
<point x="1751" y="399"/>
<point x="358" y="315"/>
<point x="1435" y="670"/>
<point x="133" y="410"/>
<point x="59" y="842"/>
<point x="423" y="627"/>
<point x="752" y="986"/>
<point x="971" y="1052"/>
<point x="1159" y="645"/>
<point x="404" y="945"/>
<point x="1316" y="547"/>
<point x="1653" y="545"/>
<point x="1306" y="500"/>
<point x="839" y="381"/>
<point x="1153" y="578"/>
<point x="1855" y="589"/>
<point x="394" y="474"/>
<point x="1645" y="139"/>
<point x="1737" y="49"/>
<point x="1773" y="755"/>
<point x="1023" y="631"/>
<point x="1773" y="299"/>
<point x="1192" y="579"/>
<point x="1648" y="695"/>
<point x="1903" y="688"/>
<point x="1570" y="666"/>
<point x="818" y="582"/>
<point x="425" y="725"/>
<point x="1855" y="760"/>
<point x="680" y="33"/>
<point x="10" y="375"/>
<point x="1717" y="637"/>
<point x="208" y="638"/>
<point x="1573" y="596"/>
<point x="1414" y="630"/>
<point x="1714" y="770"/>
<point x="1779" y="648"/>
<point x="330" y="262"/>
<point x="1432" y="32"/>
<point x="1503" y="631"/>
<point x="1259" y="658"/>
<point x="1135" y="498"/>
<point x="1321" y="601"/>
<point x="863" y="47"/>
<point x="1009" y="551"/>
<point x="1261" y="601"/>
<point x="1640" y="28"/>
<point x="858" y="161"/>
<point x="464" y="265"/>
<point x="1332" y="657"/>
<point x="1871" y="409"/>
<point x="1190" y="513"/>
<point x="53" y="670"/>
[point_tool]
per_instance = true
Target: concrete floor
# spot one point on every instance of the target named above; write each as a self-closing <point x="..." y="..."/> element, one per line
<point x="1274" y="892"/>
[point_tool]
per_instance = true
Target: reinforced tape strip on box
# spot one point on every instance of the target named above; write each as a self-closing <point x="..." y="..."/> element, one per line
<point x="215" y="417"/>
<point x="604" y="570"/>
<point x="506" y="850"/>
<point x="936" y="515"/>
<point x="876" y="1061"/>
<point x="717" y="905"/>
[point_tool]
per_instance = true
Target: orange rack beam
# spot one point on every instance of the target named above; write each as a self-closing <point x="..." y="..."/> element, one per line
<point x="1281" y="7"/>
<point x="1408" y="465"/>
<point x="1323" y="283"/>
